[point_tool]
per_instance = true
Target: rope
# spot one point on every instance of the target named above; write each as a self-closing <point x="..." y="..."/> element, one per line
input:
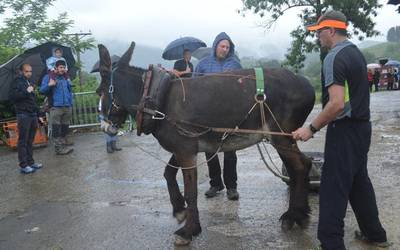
<point x="273" y="116"/>
<point x="178" y="167"/>
<point x="277" y="174"/>
<point x="270" y="158"/>
<point x="249" y="131"/>
<point x="226" y="75"/>
<point x="183" y="88"/>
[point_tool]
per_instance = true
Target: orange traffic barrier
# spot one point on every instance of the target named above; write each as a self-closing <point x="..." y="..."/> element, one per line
<point x="11" y="133"/>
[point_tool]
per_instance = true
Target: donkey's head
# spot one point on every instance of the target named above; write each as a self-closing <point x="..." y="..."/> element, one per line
<point x="120" y="87"/>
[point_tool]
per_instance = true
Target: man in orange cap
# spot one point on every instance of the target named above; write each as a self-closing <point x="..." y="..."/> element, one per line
<point x="345" y="99"/>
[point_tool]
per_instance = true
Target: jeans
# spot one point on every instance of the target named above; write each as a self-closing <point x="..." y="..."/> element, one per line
<point x="27" y="125"/>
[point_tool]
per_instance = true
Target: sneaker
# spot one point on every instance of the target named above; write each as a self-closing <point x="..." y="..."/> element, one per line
<point x="212" y="192"/>
<point x="63" y="150"/>
<point x="27" y="170"/>
<point x="360" y="236"/>
<point x="36" y="165"/>
<point x="232" y="194"/>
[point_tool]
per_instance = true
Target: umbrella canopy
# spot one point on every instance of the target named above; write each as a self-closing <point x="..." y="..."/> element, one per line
<point x="393" y="63"/>
<point x="394" y="2"/>
<point x="202" y="52"/>
<point x="36" y="57"/>
<point x="174" y="50"/>
<point x="96" y="66"/>
<point x="373" y="66"/>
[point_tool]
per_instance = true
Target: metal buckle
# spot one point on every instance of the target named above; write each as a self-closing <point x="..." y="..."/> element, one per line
<point x="260" y="98"/>
<point x="111" y="89"/>
<point x="158" y="115"/>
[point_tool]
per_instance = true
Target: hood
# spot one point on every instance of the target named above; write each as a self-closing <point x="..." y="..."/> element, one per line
<point x="223" y="36"/>
<point x="53" y="51"/>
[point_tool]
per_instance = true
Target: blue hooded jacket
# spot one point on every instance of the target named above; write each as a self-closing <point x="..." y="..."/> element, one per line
<point x="211" y="64"/>
<point x="59" y="95"/>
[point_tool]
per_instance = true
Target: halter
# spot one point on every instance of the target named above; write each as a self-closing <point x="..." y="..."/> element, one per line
<point x="111" y="88"/>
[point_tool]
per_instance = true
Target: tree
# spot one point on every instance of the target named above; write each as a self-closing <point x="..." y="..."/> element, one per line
<point x="393" y="35"/>
<point x="29" y="24"/>
<point x="358" y="12"/>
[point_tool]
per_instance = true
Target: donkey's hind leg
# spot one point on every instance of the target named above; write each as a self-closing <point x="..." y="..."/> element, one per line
<point x="298" y="167"/>
<point x="175" y="196"/>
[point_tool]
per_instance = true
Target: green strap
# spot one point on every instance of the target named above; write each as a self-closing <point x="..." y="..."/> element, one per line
<point x="346" y="92"/>
<point x="259" y="81"/>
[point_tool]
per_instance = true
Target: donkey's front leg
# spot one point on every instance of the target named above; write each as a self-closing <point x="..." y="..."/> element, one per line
<point x="298" y="167"/>
<point x="192" y="226"/>
<point x="175" y="196"/>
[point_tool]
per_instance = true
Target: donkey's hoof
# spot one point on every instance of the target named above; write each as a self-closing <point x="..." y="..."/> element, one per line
<point x="287" y="224"/>
<point x="303" y="223"/>
<point x="197" y="230"/>
<point x="180" y="241"/>
<point x="299" y="217"/>
<point x="180" y="216"/>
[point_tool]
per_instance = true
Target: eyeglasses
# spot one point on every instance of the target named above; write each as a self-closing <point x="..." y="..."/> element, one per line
<point x="320" y="30"/>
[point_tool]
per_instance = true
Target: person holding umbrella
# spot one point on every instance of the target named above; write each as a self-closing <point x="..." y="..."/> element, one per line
<point x="183" y="67"/>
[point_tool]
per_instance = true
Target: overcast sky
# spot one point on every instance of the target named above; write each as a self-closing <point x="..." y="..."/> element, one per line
<point x="157" y="22"/>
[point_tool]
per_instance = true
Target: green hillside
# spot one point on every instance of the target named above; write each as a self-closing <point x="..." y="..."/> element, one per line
<point x="382" y="50"/>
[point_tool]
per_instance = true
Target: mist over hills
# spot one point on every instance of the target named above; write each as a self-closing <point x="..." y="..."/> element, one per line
<point x="143" y="55"/>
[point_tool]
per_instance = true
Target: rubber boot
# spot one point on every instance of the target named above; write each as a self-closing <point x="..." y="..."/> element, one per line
<point x="60" y="148"/>
<point x="64" y="133"/>
<point x="109" y="148"/>
<point x="114" y="146"/>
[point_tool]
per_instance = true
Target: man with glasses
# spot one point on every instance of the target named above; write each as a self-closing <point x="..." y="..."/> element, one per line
<point x="345" y="98"/>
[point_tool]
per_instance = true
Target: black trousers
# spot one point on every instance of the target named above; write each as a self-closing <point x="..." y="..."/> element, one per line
<point x="230" y="174"/>
<point x="376" y="83"/>
<point x="371" y="83"/>
<point x="345" y="179"/>
<point x="27" y="125"/>
<point x="390" y="86"/>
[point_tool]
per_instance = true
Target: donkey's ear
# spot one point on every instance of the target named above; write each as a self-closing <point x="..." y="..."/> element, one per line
<point x="126" y="58"/>
<point x="105" y="60"/>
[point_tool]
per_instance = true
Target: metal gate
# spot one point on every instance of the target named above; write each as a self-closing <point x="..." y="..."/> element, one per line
<point x="84" y="110"/>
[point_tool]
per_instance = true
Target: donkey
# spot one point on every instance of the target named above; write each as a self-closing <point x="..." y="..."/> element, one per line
<point x="217" y="101"/>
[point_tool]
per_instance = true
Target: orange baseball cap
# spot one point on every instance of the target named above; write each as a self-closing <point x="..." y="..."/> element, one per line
<point x="332" y="18"/>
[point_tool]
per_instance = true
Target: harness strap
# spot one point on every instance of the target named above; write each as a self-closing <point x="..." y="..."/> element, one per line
<point x="259" y="81"/>
<point x="146" y="88"/>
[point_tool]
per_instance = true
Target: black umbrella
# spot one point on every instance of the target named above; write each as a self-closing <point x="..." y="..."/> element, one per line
<point x="114" y="61"/>
<point x="394" y="2"/>
<point x="36" y="57"/>
<point x="174" y="50"/>
<point x="202" y="52"/>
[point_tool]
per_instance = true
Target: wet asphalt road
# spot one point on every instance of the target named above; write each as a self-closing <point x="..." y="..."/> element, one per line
<point x="93" y="200"/>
